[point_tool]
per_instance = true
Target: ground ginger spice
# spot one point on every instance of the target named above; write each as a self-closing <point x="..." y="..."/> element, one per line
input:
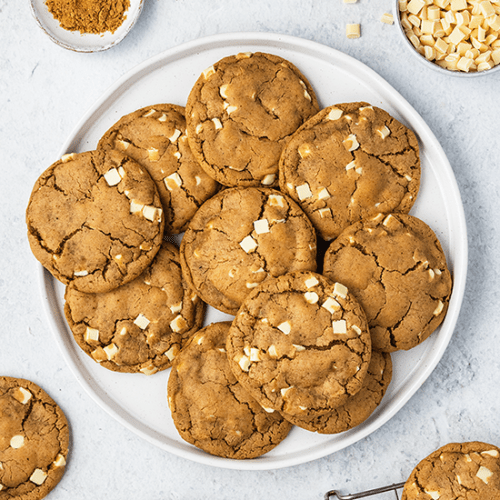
<point x="89" y="16"/>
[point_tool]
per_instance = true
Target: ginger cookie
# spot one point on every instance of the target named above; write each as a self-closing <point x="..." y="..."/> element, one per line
<point x="241" y="237"/>
<point x="300" y="345"/>
<point x="395" y="266"/>
<point x="34" y="440"/>
<point x="240" y="113"/>
<point x="142" y="325"/>
<point x="349" y="162"/>
<point x="456" y="471"/>
<point x="95" y="220"/>
<point x="211" y="410"/>
<point x="358" y="407"/>
<point x="155" y="137"/>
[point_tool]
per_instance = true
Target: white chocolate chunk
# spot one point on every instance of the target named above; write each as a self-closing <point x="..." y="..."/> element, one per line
<point x="149" y="113"/>
<point x="339" y="326"/>
<point x="491" y="453"/>
<point x="325" y="213"/>
<point x="91" y="334"/>
<point x="334" y="114"/>
<point x="230" y="109"/>
<point x="177" y="133"/>
<point x="387" y="18"/>
<point x="340" y="290"/>
<point x="172" y="352"/>
<point x="350" y="165"/>
<point x="244" y="362"/>
<point x="67" y="157"/>
<point x="112" y="177"/>
<point x="351" y="143"/>
<point x="38" y="477"/>
<point x="254" y="354"/>
<point x="141" y="321"/>
<point x="303" y="191"/>
<point x="484" y="474"/>
<point x="299" y="348"/>
<point x="110" y="350"/>
<point x="197" y="179"/>
<point x="162" y="118"/>
<point x="384" y="132"/>
<point x="252" y="285"/>
<point x="433" y="494"/>
<point x="431" y="274"/>
<point x="217" y="123"/>
<point x="357" y="329"/>
<point x="323" y="194"/>
<point x="438" y="309"/>
<point x="276" y="200"/>
<point x="268" y="179"/>
<point x="153" y="154"/>
<point x="60" y="461"/>
<point x="311" y="281"/>
<point x="331" y="305"/>
<point x="207" y="73"/>
<point x="17" y="441"/>
<point x="285" y="327"/>
<point x="173" y="181"/>
<point x="268" y="410"/>
<point x="261" y="226"/>
<point x="285" y="390"/>
<point x="352" y="31"/>
<point x="223" y="90"/>
<point x="304" y="150"/>
<point x="178" y="324"/>
<point x="123" y="331"/>
<point x="311" y="297"/>
<point x="22" y="395"/>
<point x="152" y="213"/>
<point x="80" y="273"/>
<point x="135" y="207"/>
<point x="176" y="308"/>
<point x="248" y="244"/>
<point x="272" y="351"/>
<point x="149" y="370"/>
<point x="123" y="144"/>
<point x="199" y="128"/>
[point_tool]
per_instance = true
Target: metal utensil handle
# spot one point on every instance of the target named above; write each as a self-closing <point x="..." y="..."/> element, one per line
<point x="363" y="494"/>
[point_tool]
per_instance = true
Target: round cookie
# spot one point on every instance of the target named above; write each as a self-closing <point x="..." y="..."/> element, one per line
<point x="456" y="471"/>
<point x="300" y="345"/>
<point x="211" y="409"/>
<point x="395" y="266"/>
<point x="240" y="113"/>
<point x="358" y="407"/>
<point x="140" y="326"/>
<point x="241" y="237"/>
<point x="155" y="137"/>
<point x="95" y="220"/>
<point x="34" y="440"/>
<point x="350" y="161"/>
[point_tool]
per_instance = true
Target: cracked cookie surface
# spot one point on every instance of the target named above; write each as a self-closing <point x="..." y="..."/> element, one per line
<point x="142" y="325"/>
<point x="241" y="237"/>
<point x="348" y="162"/>
<point x="156" y="137"/>
<point x="34" y="439"/>
<point x="95" y="220"/>
<point x="358" y="407"/>
<point x="240" y="113"/>
<point x="395" y="266"/>
<point x="211" y="409"/>
<point x="456" y="471"/>
<point x="300" y="345"/>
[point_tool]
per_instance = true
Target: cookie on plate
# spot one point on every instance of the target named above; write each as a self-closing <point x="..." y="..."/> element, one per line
<point x="95" y="220"/>
<point x="455" y="471"/>
<point x="155" y="137"/>
<point x="140" y="326"/>
<point x="211" y="409"/>
<point x="240" y="113"/>
<point x="300" y="345"/>
<point x="358" y="407"/>
<point x="241" y="237"/>
<point x="34" y="440"/>
<point x="350" y="161"/>
<point x="395" y="266"/>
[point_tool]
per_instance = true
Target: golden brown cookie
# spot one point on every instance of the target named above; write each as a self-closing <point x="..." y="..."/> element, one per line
<point x="95" y="220"/>
<point x="140" y="326"/>
<point x="155" y="137"/>
<point x="211" y="409"/>
<point x="358" y="407"/>
<point x="395" y="266"/>
<point x="34" y="439"/>
<point x="457" y="471"/>
<point x="300" y="345"/>
<point x="240" y="113"/>
<point x="348" y="162"/>
<point x="241" y="237"/>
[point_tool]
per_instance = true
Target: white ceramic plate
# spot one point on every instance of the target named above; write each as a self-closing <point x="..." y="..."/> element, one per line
<point x="74" y="40"/>
<point x="139" y="402"/>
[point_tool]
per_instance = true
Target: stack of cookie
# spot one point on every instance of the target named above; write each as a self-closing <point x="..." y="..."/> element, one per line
<point x="255" y="175"/>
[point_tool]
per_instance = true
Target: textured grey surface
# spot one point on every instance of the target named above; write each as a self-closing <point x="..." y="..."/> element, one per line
<point x="45" y="90"/>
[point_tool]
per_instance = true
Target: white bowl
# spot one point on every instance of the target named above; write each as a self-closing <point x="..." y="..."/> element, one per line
<point x="86" y="42"/>
<point x="430" y="64"/>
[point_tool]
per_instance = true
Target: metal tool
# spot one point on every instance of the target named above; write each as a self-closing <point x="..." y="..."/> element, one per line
<point x="394" y="487"/>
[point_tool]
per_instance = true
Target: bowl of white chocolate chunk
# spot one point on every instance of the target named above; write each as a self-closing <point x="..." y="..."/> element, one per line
<point x="457" y="36"/>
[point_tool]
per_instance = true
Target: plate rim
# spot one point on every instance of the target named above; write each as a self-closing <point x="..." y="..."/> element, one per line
<point x="274" y="40"/>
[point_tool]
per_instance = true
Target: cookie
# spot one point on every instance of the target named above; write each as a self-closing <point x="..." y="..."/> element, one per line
<point x="155" y="137"/>
<point x="34" y="439"/>
<point x="95" y="220"/>
<point x="300" y="345"/>
<point x="350" y="161"/>
<point x="468" y="471"/>
<point x="211" y="410"/>
<point x="240" y="113"/>
<point x="140" y="326"/>
<point x="395" y="266"/>
<point x="241" y="237"/>
<point x="358" y="407"/>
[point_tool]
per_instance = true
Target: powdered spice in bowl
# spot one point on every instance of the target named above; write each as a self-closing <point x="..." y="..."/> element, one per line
<point x="86" y="25"/>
